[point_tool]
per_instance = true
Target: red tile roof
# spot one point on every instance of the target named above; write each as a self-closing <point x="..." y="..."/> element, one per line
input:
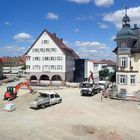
<point x="13" y="61"/>
<point x="104" y="61"/>
<point x="59" y="42"/>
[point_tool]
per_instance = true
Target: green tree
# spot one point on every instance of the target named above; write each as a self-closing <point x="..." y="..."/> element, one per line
<point x="103" y="74"/>
<point x="112" y="77"/>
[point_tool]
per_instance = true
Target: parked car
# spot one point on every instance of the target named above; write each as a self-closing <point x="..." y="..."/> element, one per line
<point x="103" y="84"/>
<point x="45" y="99"/>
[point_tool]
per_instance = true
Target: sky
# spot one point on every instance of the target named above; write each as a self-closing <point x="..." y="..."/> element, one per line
<point x="87" y="26"/>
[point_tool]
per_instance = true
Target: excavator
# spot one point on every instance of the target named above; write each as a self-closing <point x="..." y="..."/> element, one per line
<point x="12" y="91"/>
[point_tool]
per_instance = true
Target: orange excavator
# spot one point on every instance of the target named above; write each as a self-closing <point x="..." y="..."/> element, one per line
<point x="12" y="91"/>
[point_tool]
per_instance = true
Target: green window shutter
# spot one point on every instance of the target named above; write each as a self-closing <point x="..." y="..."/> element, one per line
<point x="117" y="79"/>
<point x="126" y="80"/>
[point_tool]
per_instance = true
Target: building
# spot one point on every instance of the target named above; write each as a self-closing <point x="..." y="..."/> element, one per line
<point x="49" y="60"/>
<point x="83" y="67"/>
<point x="13" y="65"/>
<point x="104" y="64"/>
<point x="1" y="69"/>
<point x="128" y="58"/>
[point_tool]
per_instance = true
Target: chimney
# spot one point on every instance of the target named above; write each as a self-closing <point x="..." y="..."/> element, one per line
<point x="54" y="34"/>
<point x="62" y="39"/>
<point x="135" y="26"/>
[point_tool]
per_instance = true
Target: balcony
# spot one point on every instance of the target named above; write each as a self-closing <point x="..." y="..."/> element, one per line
<point x="122" y="68"/>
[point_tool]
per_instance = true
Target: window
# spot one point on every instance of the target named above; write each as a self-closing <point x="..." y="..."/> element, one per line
<point x="59" y="67"/>
<point x="122" y="79"/>
<point x="45" y="58"/>
<point x="48" y="50"/>
<point x="52" y="58"/>
<point x="53" y="49"/>
<point x="42" y="50"/>
<point x="36" y="67"/>
<point x="52" y="67"/>
<point x="130" y="63"/>
<point x="45" y="41"/>
<point x="36" y="50"/>
<point x="123" y="44"/>
<point x="37" y="58"/>
<point x="28" y="58"/>
<point x="46" y="67"/>
<point x="59" y="58"/>
<point x="123" y="62"/>
<point x="27" y="66"/>
<point x="133" y="79"/>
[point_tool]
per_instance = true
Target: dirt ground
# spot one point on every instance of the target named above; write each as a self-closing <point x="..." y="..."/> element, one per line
<point x="76" y="118"/>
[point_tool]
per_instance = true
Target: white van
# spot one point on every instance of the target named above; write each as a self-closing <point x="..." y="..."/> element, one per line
<point x="103" y="84"/>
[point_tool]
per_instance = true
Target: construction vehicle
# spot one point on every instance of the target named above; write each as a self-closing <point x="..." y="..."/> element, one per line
<point x="12" y="91"/>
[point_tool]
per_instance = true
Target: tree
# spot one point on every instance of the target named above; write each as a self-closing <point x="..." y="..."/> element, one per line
<point x="103" y="74"/>
<point x="112" y="77"/>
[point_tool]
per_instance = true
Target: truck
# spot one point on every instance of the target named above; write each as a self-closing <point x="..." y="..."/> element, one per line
<point x="89" y="89"/>
<point x="45" y="99"/>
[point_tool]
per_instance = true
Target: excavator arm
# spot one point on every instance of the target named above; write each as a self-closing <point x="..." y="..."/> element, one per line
<point x="22" y="84"/>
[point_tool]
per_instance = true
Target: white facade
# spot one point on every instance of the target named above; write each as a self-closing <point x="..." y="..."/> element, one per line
<point x="89" y="66"/>
<point x="45" y="57"/>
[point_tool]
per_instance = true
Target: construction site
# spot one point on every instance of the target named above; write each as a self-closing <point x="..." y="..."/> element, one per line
<point x="77" y="117"/>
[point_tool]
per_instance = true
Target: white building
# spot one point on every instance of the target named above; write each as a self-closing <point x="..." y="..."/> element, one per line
<point x="104" y="64"/>
<point x="89" y="67"/>
<point x="49" y="60"/>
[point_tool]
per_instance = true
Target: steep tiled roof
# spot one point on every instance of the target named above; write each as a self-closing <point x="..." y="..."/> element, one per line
<point x="59" y="42"/>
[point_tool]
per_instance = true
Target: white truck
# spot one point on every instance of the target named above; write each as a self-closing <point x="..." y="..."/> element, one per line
<point x="45" y="99"/>
<point x="89" y="89"/>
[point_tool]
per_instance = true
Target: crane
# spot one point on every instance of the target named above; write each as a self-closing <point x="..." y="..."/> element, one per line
<point x="12" y="91"/>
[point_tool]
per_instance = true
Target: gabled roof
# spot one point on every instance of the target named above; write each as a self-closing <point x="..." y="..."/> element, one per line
<point x="59" y="42"/>
<point x="104" y="61"/>
<point x="109" y="62"/>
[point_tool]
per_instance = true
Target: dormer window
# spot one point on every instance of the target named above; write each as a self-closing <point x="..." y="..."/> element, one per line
<point x="123" y="44"/>
<point x="45" y="41"/>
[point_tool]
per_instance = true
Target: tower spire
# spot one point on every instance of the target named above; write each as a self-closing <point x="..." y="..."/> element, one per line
<point x="125" y="9"/>
<point x="126" y="19"/>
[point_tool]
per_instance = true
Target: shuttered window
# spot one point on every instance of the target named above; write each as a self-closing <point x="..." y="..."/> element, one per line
<point x="122" y="79"/>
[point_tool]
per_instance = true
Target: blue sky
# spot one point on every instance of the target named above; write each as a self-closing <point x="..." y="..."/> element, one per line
<point x="87" y="26"/>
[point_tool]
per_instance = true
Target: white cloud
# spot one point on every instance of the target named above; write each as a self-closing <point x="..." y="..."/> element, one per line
<point x="89" y="44"/>
<point x="76" y="30"/>
<point x="23" y="37"/>
<point x="7" y="23"/>
<point x="93" y="50"/>
<point x="102" y="26"/>
<point x="116" y="17"/>
<point x="104" y="3"/>
<point x="81" y="1"/>
<point x="52" y="16"/>
<point x="13" y="50"/>
<point x="85" y="17"/>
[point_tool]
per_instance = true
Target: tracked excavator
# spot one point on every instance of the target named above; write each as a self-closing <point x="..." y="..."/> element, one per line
<point x="12" y="91"/>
